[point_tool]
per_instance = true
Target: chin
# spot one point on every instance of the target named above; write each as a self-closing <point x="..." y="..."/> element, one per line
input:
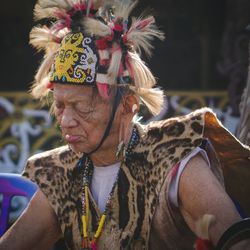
<point x="78" y="148"/>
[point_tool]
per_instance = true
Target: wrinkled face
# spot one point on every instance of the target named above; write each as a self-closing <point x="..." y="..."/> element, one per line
<point x="83" y="116"/>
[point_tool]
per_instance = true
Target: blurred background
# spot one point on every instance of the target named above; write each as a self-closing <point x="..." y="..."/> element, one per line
<point x="202" y="62"/>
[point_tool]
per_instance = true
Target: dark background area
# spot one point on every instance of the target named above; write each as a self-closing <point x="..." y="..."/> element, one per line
<point x="205" y="48"/>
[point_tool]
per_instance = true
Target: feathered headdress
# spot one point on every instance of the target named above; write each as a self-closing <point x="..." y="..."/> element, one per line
<point x="95" y="42"/>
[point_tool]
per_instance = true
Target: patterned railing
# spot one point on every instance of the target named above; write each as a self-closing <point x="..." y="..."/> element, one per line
<point x="26" y="128"/>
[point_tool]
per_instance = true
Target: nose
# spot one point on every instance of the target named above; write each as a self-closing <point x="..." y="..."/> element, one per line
<point x="68" y="119"/>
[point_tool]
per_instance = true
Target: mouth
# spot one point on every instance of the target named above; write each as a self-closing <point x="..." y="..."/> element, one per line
<point x="72" y="138"/>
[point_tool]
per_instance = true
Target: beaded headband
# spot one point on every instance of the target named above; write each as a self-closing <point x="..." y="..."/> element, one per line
<point x="94" y="42"/>
<point x="76" y="61"/>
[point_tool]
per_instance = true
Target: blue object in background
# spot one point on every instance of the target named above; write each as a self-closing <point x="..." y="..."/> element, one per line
<point x="13" y="185"/>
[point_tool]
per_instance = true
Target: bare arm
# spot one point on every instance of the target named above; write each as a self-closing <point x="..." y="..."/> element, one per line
<point x="37" y="228"/>
<point x="200" y="193"/>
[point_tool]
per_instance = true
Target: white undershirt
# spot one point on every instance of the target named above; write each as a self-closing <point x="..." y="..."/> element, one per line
<point x="102" y="182"/>
<point x="104" y="177"/>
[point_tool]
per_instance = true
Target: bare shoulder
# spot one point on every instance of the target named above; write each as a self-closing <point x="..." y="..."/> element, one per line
<point x="201" y="193"/>
<point x="38" y="223"/>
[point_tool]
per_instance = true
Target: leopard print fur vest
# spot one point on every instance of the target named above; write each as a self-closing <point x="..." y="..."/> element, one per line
<point x="141" y="217"/>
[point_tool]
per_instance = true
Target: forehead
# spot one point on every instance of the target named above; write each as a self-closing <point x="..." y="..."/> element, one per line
<point x="72" y="93"/>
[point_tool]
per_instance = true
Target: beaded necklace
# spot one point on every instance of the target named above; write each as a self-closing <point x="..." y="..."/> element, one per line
<point x="87" y="165"/>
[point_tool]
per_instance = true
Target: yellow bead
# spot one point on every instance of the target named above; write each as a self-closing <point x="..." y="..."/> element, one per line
<point x="100" y="226"/>
<point x="87" y="202"/>
<point x="84" y="225"/>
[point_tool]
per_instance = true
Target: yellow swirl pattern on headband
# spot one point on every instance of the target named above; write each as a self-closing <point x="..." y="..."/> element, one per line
<point x="75" y="61"/>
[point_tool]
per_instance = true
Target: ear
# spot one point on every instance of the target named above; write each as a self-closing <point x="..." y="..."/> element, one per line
<point x="130" y="105"/>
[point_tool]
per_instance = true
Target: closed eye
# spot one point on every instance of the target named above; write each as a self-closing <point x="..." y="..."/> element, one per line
<point x="84" y="110"/>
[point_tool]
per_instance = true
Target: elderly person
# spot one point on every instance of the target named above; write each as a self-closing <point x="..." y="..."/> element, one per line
<point x="118" y="184"/>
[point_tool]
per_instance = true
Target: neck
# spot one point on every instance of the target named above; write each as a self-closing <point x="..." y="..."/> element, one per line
<point x="103" y="159"/>
<point x="106" y="155"/>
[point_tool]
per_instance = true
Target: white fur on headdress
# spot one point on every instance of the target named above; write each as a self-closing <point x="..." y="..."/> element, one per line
<point x="96" y="28"/>
<point x="122" y="43"/>
<point x="142" y="32"/>
<point x="144" y="81"/>
<point x="114" y="66"/>
<point x="62" y="4"/>
<point x="153" y="98"/>
<point x="143" y="77"/>
<point x="48" y="8"/>
<point x="122" y="9"/>
<point x="40" y="87"/>
<point x="42" y="38"/>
